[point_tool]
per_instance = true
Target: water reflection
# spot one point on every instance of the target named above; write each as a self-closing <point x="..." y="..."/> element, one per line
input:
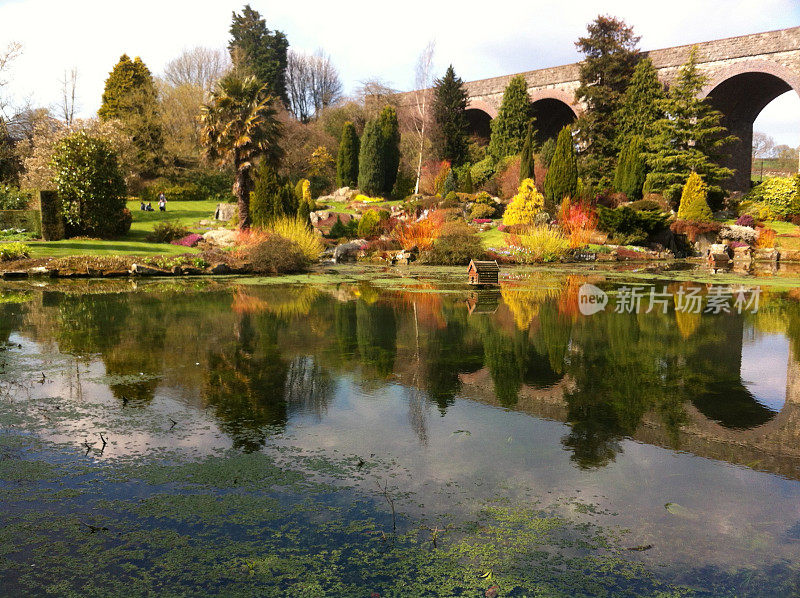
<point x="258" y="356"/>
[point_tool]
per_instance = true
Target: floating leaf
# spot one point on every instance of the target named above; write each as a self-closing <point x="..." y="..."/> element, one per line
<point x="676" y="509"/>
<point x="467" y="432"/>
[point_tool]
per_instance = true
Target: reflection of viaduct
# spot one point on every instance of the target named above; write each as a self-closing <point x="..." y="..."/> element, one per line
<point x="773" y="446"/>
<point x="744" y="75"/>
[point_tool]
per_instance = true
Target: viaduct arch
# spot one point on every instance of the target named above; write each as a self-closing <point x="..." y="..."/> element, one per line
<point x="745" y="73"/>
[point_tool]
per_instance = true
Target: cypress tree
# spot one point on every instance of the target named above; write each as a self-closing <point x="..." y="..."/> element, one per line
<point x="347" y="158"/>
<point x="526" y="165"/>
<point x="468" y="186"/>
<point x="562" y="176"/>
<point x="611" y="55"/>
<point x="265" y="201"/>
<point x="390" y="145"/>
<point x="130" y="97"/>
<point x="379" y="155"/>
<point x="289" y="201"/>
<point x="642" y="104"/>
<point x="304" y="212"/>
<point x="449" y="115"/>
<point x="509" y="128"/>
<point x="259" y="51"/>
<point x="692" y="139"/>
<point x="694" y="205"/>
<point x="631" y="168"/>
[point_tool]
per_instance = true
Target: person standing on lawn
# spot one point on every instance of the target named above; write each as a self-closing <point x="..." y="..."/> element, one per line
<point x="162" y="202"/>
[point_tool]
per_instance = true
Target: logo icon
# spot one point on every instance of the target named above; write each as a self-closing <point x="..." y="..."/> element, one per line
<point x="591" y="299"/>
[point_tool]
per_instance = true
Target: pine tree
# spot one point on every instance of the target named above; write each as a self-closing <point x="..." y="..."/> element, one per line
<point x="562" y="177"/>
<point x="449" y="115"/>
<point x="265" y="201"/>
<point x="642" y="104"/>
<point x="130" y="97"/>
<point x="347" y="158"/>
<point x="611" y="55"/>
<point x="508" y="129"/>
<point x="694" y="204"/>
<point x="289" y="201"/>
<point x="526" y="165"/>
<point x="450" y="183"/>
<point x="631" y="168"/>
<point x="690" y="139"/>
<point x="259" y="51"/>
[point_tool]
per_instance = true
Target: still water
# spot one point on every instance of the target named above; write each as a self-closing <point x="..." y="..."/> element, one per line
<point x="521" y="444"/>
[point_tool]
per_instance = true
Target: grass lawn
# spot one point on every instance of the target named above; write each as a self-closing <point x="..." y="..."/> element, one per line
<point x="187" y="213"/>
<point x="493" y="238"/>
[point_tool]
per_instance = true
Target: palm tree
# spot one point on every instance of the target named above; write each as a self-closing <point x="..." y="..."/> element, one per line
<point x="240" y="125"/>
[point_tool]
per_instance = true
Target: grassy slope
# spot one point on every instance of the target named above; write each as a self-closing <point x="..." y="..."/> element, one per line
<point x="187" y="213"/>
<point x="493" y="238"/>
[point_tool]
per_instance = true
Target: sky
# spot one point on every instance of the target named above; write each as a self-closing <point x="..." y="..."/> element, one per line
<point x="365" y="39"/>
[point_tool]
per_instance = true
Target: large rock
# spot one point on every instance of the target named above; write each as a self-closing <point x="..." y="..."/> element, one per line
<point x="347" y="251"/>
<point x="225" y="211"/>
<point x="220" y="238"/>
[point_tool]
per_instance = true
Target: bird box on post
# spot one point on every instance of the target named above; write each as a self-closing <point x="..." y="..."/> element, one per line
<point x="482" y="273"/>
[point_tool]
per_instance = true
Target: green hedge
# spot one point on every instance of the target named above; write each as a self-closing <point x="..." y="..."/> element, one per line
<point x="52" y="218"/>
<point x="21" y="219"/>
<point x="184" y="192"/>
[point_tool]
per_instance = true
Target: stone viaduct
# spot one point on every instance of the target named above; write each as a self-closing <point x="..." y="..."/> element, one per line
<point x="744" y="74"/>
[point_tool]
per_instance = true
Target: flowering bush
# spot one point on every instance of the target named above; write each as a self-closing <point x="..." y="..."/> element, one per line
<point x="13" y="251"/>
<point x="482" y="220"/>
<point x="189" y="240"/>
<point x="538" y="244"/>
<point x="367" y="199"/>
<point x="525" y="205"/>
<point x="737" y="244"/>
<point x="746" y="220"/>
<point x="734" y="232"/>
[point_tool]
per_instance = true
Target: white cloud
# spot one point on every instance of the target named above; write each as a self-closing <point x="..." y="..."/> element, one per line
<point x="364" y="39"/>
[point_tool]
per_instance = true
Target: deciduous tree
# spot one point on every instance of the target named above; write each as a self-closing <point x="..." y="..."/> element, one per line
<point x="312" y="83"/>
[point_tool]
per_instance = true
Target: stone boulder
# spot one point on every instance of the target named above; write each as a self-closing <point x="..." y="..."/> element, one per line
<point x="225" y="211"/>
<point x="220" y="238"/>
<point x="347" y="251"/>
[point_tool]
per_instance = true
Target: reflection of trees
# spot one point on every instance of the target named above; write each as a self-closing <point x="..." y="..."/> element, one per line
<point x="376" y="331"/>
<point x="245" y="383"/>
<point x="309" y="387"/>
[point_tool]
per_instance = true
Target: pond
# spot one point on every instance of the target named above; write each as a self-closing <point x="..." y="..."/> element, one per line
<point x="571" y="433"/>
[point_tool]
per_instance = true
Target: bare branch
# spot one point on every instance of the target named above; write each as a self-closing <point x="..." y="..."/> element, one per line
<point x="68" y="85"/>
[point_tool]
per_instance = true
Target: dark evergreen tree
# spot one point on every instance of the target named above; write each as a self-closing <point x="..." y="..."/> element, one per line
<point x="449" y="117"/>
<point x="289" y="199"/>
<point x="304" y="212"/>
<point x="690" y="139"/>
<point x="379" y="155"/>
<point x="130" y="97"/>
<point x="508" y="129"/>
<point x="9" y="161"/>
<point x="610" y="57"/>
<point x="265" y="202"/>
<point x="562" y="176"/>
<point x="548" y="149"/>
<point x="467" y="186"/>
<point x="347" y="158"/>
<point x="527" y="161"/>
<point x="631" y="168"/>
<point x="259" y="51"/>
<point x="642" y="104"/>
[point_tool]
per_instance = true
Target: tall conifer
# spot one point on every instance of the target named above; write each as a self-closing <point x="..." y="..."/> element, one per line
<point x="347" y="158"/>
<point x="449" y="115"/>
<point x="508" y="129"/>
<point x="562" y="176"/>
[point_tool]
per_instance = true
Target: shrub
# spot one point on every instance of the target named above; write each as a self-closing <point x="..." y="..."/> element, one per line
<point x="451" y="200"/>
<point x="380" y="245"/>
<point x="190" y="240"/>
<point x="450" y="184"/>
<point x="482" y="171"/>
<point x="766" y="238"/>
<point x="12" y="199"/>
<point x="455" y="249"/>
<point x="694" y="200"/>
<point x="297" y="231"/>
<point x="538" y="244"/>
<point x="734" y="232"/>
<point x="645" y="205"/>
<point x="441" y="177"/>
<point x="525" y="205"/>
<point x="481" y="211"/>
<point x="166" y="232"/>
<point x="779" y="195"/>
<point x="340" y="230"/>
<point x="123" y="224"/>
<point x="693" y="228"/>
<point x="508" y="176"/>
<point x="746" y="220"/>
<point x="369" y="225"/>
<point x="629" y="227"/>
<point x="277" y="255"/>
<point x="419" y="234"/>
<point x="13" y="251"/>
<point x="578" y="222"/>
<point x="367" y="199"/>
<point x="90" y="185"/>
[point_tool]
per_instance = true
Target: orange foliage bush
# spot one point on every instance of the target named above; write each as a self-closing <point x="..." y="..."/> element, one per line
<point x="249" y="238"/>
<point x="419" y="234"/>
<point x="438" y="183"/>
<point x="508" y="178"/>
<point x="578" y="221"/>
<point x="766" y="238"/>
<point x="427" y="177"/>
